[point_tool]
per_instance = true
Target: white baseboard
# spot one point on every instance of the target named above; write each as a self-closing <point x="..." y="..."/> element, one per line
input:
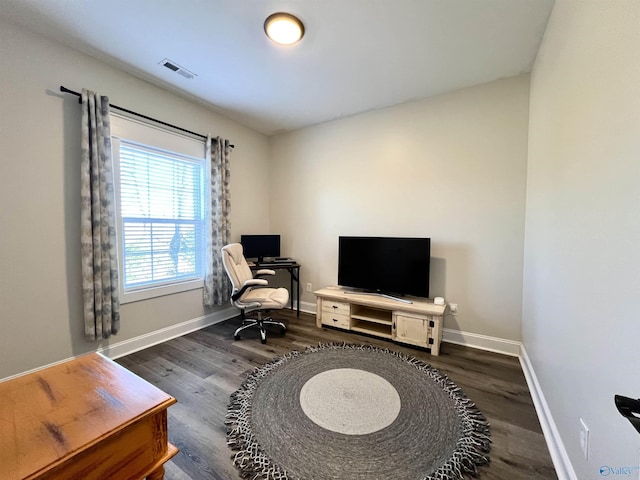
<point x="559" y="456"/>
<point x="482" y="342"/>
<point x="52" y="364"/>
<point x="308" y="307"/>
<point x="147" y="340"/>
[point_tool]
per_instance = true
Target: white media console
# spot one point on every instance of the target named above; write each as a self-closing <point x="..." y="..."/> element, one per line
<point x="416" y="323"/>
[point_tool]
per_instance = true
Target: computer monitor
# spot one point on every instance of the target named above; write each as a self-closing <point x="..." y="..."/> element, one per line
<point x="260" y="246"/>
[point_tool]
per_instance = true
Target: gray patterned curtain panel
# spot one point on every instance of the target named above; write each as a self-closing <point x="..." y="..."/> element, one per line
<point x="97" y="221"/>
<point x="217" y="289"/>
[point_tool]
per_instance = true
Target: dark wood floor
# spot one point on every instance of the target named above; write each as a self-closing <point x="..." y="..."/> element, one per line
<point x="203" y="368"/>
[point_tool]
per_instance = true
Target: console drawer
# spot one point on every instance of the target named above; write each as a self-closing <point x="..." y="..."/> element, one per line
<point x="335" y="319"/>
<point x="335" y="307"/>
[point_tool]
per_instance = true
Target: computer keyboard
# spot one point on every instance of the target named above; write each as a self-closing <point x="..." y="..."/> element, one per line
<point x="277" y="261"/>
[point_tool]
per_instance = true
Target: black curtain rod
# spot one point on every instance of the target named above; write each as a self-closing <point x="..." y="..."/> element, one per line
<point x="66" y="90"/>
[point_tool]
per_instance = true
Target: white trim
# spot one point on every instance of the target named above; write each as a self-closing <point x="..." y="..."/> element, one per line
<point x="53" y="364"/>
<point x="482" y="342"/>
<point x="158" y="290"/>
<point x="148" y="133"/>
<point x="168" y="144"/>
<point x="308" y="307"/>
<point x="559" y="456"/>
<point x="147" y="340"/>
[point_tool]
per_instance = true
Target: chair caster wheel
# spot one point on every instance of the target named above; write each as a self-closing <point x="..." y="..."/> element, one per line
<point x="236" y="337"/>
<point x="283" y="330"/>
<point x="263" y="336"/>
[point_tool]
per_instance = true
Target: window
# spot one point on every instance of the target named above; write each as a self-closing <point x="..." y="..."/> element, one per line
<point x="160" y="217"/>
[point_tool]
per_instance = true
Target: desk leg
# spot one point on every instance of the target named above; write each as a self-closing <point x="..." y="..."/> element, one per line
<point x="295" y="275"/>
<point x="298" y="297"/>
<point x="291" y="275"/>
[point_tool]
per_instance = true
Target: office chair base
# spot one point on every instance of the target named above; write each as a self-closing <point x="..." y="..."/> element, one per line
<point x="261" y="326"/>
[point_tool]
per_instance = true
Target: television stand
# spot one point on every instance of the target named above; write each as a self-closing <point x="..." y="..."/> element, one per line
<point x="418" y="322"/>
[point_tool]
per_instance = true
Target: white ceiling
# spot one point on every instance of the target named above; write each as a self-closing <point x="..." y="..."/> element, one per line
<point x="357" y="55"/>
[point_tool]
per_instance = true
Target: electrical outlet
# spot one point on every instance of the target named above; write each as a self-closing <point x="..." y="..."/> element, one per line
<point x="453" y="308"/>
<point x="584" y="439"/>
<point x="309" y="287"/>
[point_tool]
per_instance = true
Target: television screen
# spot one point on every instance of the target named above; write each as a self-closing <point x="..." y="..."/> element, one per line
<point x="260" y="246"/>
<point x="385" y="264"/>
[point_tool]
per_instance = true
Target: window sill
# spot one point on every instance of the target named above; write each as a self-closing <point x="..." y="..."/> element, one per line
<point x="153" y="292"/>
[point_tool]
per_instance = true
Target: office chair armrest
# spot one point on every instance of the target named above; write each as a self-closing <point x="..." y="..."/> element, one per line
<point x="253" y="282"/>
<point x="264" y="271"/>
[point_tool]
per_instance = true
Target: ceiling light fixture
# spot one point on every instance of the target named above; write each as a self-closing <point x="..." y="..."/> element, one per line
<point x="283" y="28"/>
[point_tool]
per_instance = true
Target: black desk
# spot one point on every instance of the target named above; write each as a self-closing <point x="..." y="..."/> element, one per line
<point x="294" y="273"/>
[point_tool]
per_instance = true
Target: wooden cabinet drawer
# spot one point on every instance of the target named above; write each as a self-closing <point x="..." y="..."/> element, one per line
<point x="335" y="319"/>
<point x="335" y="307"/>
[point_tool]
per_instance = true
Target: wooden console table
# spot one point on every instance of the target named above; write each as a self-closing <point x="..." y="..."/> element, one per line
<point x="85" y="419"/>
<point x="417" y="323"/>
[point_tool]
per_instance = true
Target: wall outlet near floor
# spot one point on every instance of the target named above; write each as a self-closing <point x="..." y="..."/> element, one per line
<point x="453" y="308"/>
<point x="584" y="439"/>
<point x="309" y="287"/>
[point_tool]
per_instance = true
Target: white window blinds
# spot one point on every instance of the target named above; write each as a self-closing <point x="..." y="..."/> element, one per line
<point x="161" y="214"/>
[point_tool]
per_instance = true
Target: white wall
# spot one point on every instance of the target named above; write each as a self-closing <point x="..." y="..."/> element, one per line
<point x="40" y="295"/>
<point x="581" y="315"/>
<point x="452" y="168"/>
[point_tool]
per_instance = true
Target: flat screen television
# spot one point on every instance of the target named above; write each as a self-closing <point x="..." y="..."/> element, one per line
<point x="386" y="265"/>
<point x="260" y="246"/>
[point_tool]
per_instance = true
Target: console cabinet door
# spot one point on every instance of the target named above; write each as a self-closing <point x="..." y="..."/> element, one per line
<point x="413" y="329"/>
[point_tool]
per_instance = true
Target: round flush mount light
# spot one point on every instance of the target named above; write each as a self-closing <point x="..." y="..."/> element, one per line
<point x="283" y="28"/>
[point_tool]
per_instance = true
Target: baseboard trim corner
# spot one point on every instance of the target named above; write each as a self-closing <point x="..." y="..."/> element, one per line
<point x="559" y="456"/>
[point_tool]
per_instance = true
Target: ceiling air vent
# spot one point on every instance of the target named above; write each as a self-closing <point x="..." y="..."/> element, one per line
<point x="173" y="66"/>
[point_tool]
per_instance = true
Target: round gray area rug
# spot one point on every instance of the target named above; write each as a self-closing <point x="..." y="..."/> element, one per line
<point x="301" y="416"/>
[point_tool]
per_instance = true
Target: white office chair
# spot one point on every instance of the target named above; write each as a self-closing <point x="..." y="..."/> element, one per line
<point x="249" y="293"/>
